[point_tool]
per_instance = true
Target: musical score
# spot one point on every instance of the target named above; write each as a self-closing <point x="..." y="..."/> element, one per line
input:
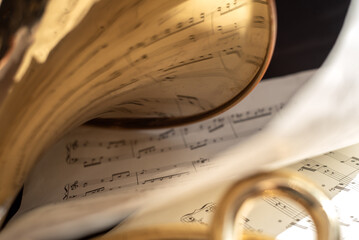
<point x="196" y="137"/>
<point x="94" y="161"/>
<point x="127" y="180"/>
<point x="220" y="129"/>
<point x="335" y="172"/>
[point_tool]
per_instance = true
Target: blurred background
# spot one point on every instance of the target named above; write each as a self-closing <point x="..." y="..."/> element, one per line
<point x="307" y="31"/>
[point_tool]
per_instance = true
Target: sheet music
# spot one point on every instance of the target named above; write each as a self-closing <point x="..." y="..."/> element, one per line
<point x="334" y="172"/>
<point x="337" y="173"/>
<point x="94" y="161"/>
<point x="91" y="162"/>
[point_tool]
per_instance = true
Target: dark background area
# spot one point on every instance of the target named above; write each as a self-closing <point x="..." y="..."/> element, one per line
<point x="307" y="31"/>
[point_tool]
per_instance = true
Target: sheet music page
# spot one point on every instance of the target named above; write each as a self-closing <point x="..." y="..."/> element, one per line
<point x="336" y="173"/>
<point x="90" y="162"/>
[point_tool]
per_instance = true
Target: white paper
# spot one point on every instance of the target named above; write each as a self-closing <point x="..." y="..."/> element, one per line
<point x="59" y="178"/>
<point x="336" y="173"/>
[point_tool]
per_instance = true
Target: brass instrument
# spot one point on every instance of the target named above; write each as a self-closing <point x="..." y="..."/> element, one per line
<point x="123" y="63"/>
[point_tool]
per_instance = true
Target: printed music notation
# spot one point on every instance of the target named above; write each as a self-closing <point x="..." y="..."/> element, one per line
<point x="199" y="215"/>
<point x="92" y="161"/>
<point x="127" y="180"/>
<point x="226" y="128"/>
<point x="336" y="180"/>
<point x="195" y="137"/>
<point x="336" y="172"/>
<point x="280" y="214"/>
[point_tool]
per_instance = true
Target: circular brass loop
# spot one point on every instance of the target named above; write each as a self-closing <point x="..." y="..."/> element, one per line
<point x="279" y="183"/>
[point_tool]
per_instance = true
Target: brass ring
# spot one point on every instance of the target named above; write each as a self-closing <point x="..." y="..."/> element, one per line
<point x="279" y="183"/>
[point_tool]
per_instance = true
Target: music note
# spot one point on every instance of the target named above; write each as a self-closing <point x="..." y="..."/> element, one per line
<point x="71" y="160"/>
<point x="166" y="134"/>
<point x="259" y="21"/>
<point x="74" y="185"/>
<point x="190" y="100"/>
<point x="74" y="145"/>
<point x="167" y="177"/>
<point x="249" y="115"/>
<point x="66" y="194"/>
<point x="201" y="163"/>
<point x="116" y="144"/>
<point x="92" y="162"/>
<point x="192" y="37"/>
<point x="97" y="190"/>
<point x="354" y="219"/>
<point x="188" y="62"/>
<point x="340" y="187"/>
<point x="201" y="215"/>
<point x="234" y="51"/>
<point x="120" y="175"/>
<point x="216" y="125"/>
<point x="168" y="77"/>
<point x="308" y="168"/>
<point x="198" y="144"/>
<point x="145" y="151"/>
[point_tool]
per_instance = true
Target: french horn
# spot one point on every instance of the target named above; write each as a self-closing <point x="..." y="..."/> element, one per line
<point x="131" y="63"/>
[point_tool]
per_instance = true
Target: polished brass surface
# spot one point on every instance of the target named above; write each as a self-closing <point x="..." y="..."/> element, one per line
<point x="130" y="63"/>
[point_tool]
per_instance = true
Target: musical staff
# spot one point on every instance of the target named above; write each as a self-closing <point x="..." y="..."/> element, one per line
<point x="200" y="140"/>
<point x="127" y="180"/>
<point x="225" y="128"/>
<point x="292" y="211"/>
<point x="336" y="172"/>
<point x="337" y="180"/>
<point x="93" y="161"/>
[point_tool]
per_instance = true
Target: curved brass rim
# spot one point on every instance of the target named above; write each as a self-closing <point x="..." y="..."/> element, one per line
<point x="278" y="183"/>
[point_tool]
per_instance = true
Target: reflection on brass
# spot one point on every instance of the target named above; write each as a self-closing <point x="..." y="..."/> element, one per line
<point x="279" y="183"/>
<point x="128" y="63"/>
<point x="224" y="225"/>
